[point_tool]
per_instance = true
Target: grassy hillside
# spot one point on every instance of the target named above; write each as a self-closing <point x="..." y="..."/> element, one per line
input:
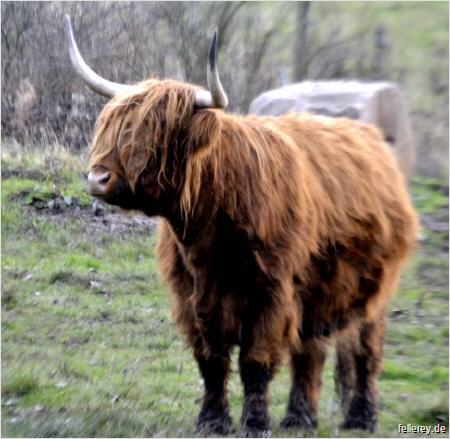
<point x="88" y="344"/>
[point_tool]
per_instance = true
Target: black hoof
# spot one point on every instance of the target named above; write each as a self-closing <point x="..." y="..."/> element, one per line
<point x="298" y="422"/>
<point x="359" y="424"/>
<point x="254" y="432"/>
<point x="256" y="426"/>
<point x="213" y="426"/>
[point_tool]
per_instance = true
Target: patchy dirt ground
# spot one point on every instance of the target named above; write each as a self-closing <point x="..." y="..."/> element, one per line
<point x="98" y="216"/>
<point x="104" y="220"/>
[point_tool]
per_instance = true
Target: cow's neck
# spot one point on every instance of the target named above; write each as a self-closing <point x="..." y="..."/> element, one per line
<point x="192" y="230"/>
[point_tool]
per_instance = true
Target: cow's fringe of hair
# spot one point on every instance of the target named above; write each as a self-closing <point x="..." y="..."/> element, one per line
<point x="142" y="125"/>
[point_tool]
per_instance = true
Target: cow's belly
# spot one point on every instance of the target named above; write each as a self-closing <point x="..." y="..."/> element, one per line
<point x="322" y="320"/>
<point x="338" y="292"/>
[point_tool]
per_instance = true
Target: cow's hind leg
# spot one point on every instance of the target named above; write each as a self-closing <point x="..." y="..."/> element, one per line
<point x="344" y="375"/>
<point x="358" y="367"/>
<point x="306" y="368"/>
<point x="214" y="415"/>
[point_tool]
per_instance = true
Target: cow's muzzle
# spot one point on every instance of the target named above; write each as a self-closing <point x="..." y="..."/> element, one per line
<point x="98" y="183"/>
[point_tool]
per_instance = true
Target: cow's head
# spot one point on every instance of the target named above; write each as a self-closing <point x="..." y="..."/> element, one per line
<point x="145" y="132"/>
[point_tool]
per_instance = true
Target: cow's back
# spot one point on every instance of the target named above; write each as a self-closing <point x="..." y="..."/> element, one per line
<point x="353" y="175"/>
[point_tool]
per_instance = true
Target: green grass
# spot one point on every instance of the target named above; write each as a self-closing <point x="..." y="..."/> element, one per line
<point x="89" y="348"/>
<point x="427" y="198"/>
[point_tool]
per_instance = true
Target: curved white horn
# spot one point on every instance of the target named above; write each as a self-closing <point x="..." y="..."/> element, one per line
<point x="216" y="96"/>
<point x="95" y="82"/>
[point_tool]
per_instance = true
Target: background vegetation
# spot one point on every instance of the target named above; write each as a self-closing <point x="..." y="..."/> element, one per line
<point x="262" y="45"/>
<point x="88" y="344"/>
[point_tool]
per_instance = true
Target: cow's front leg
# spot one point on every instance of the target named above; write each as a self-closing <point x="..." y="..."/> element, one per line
<point x="255" y="376"/>
<point x="257" y="364"/>
<point x="212" y="356"/>
<point x="268" y="330"/>
<point x="214" y="416"/>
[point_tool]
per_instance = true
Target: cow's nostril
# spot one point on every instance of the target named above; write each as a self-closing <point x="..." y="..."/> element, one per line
<point x="98" y="182"/>
<point x="104" y="178"/>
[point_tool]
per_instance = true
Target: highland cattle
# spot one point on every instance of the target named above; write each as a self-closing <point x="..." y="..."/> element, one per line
<point x="276" y="235"/>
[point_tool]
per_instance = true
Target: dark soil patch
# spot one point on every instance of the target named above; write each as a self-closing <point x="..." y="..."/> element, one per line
<point x="119" y="223"/>
<point x="46" y="200"/>
<point x="98" y="218"/>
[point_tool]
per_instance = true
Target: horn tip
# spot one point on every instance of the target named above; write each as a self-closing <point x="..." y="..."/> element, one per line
<point x="212" y="50"/>
<point x="68" y="23"/>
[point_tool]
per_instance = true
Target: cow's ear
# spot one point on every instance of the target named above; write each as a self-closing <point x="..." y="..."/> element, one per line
<point x="203" y="131"/>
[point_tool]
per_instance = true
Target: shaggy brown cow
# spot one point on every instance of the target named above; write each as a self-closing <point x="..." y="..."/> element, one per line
<point x="277" y="233"/>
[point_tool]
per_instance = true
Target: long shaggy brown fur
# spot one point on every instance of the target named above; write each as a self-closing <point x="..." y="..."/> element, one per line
<point x="276" y="232"/>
